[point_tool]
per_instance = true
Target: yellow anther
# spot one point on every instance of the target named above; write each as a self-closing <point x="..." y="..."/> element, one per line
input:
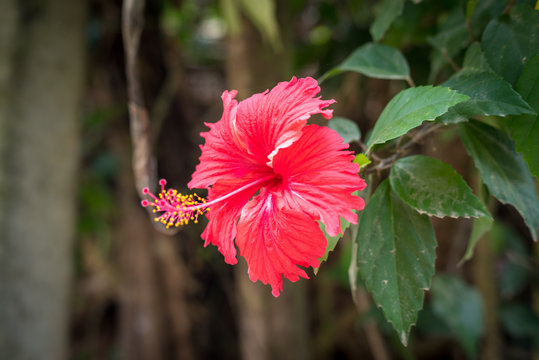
<point x="176" y="208"/>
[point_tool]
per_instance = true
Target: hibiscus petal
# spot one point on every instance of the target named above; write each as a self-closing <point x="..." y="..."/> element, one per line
<point x="222" y="155"/>
<point x="223" y="216"/>
<point x="250" y="133"/>
<point x="273" y="120"/>
<point x="320" y="177"/>
<point x="275" y="241"/>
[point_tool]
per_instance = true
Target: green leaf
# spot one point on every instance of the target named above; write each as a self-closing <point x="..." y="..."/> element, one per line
<point x="453" y="35"/>
<point x="525" y="131"/>
<point x="480" y="227"/>
<point x="332" y="240"/>
<point x="451" y="38"/>
<point x="475" y="59"/>
<point x="374" y="60"/>
<point x="346" y="128"/>
<point x="437" y="63"/>
<point x="386" y="13"/>
<point x="502" y="170"/>
<point x="520" y="321"/>
<point x="395" y="257"/>
<point x="362" y="160"/>
<point x="489" y="95"/>
<point x="433" y="187"/>
<point x="513" y="273"/>
<point x="506" y="240"/>
<point x="231" y="15"/>
<point x="470" y="6"/>
<point x="528" y="84"/>
<point x="262" y="13"/>
<point x="484" y="11"/>
<point x="451" y="117"/>
<point x="525" y="128"/>
<point x="509" y="42"/>
<point x="461" y="309"/>
<point x="513" y="277"/>
<point x="409" y="108"/>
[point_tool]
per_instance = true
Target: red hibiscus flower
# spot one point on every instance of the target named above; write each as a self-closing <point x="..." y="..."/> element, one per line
<point x="270" y="179"/>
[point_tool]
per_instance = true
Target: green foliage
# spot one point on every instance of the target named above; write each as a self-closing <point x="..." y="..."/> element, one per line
<point x="432" y="187"/>
<point x="510" y="41"/>
<point x="453" y="34"/>
<point x="475" y="59"/>
<point x="409" y="108"/>
<point x="525" y="128"/>
<point x="376" y="61"/>
<point x="261" y="13"/>
<point x="459" y="306"/>
<point x="395" y="257"/>
<point x="230" y="10"/>
<point x="528" y="84"/>
<point x="489" y="94"/>
<point x="515" y="267"/>
<point x="480" y="227"/>
<point x="470" y="7"/>
<point x="503" y="170"/>
<point x="362" y="160"/>
<point x="332" y="240"/>
<point x="521" y="322"/>
<point x="514" y="278"/>
<point x="496" y="90"/>
<point x="346" y="128"/>
<point x="387" y="12"/>
<point x="451" y="38"/>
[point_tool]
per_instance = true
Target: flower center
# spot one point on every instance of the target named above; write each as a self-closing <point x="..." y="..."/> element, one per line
<point x="179" y="209"/>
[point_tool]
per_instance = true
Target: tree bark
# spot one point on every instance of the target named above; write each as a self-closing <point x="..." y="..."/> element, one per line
<point x="484" y="271"/>
<point x="142" y="331"/>
<point x="41" y="82"/>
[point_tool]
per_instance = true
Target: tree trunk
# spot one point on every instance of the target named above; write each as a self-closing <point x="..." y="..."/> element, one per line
<point x="142" y="331"/>
<point x="41" y="82"/>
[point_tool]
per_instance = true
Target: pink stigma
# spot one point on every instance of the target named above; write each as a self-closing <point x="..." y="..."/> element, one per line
<point x="178" y="209"/>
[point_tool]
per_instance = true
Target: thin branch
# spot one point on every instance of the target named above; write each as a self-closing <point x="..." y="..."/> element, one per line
<point x="424" y="132"/>
<point x="450" y="60"/>
<point x="470" y="31"/>
<point x="362" y="145"/>
<point x="144" y="163"/>
<point x="372" y="156"/>
<point x="509" y="6"/>
<point x="410" y="81"/>
<point x="399" y="143"/>
<point x="386" y="163"/>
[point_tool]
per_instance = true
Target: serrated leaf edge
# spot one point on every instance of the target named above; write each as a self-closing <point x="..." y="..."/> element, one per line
<point x="439" y="215"/>
<point x="404" y="334"/>
<point x="465" y="98"/>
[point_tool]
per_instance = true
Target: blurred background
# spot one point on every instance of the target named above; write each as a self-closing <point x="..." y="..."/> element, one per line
<point x="83" y="272"/>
